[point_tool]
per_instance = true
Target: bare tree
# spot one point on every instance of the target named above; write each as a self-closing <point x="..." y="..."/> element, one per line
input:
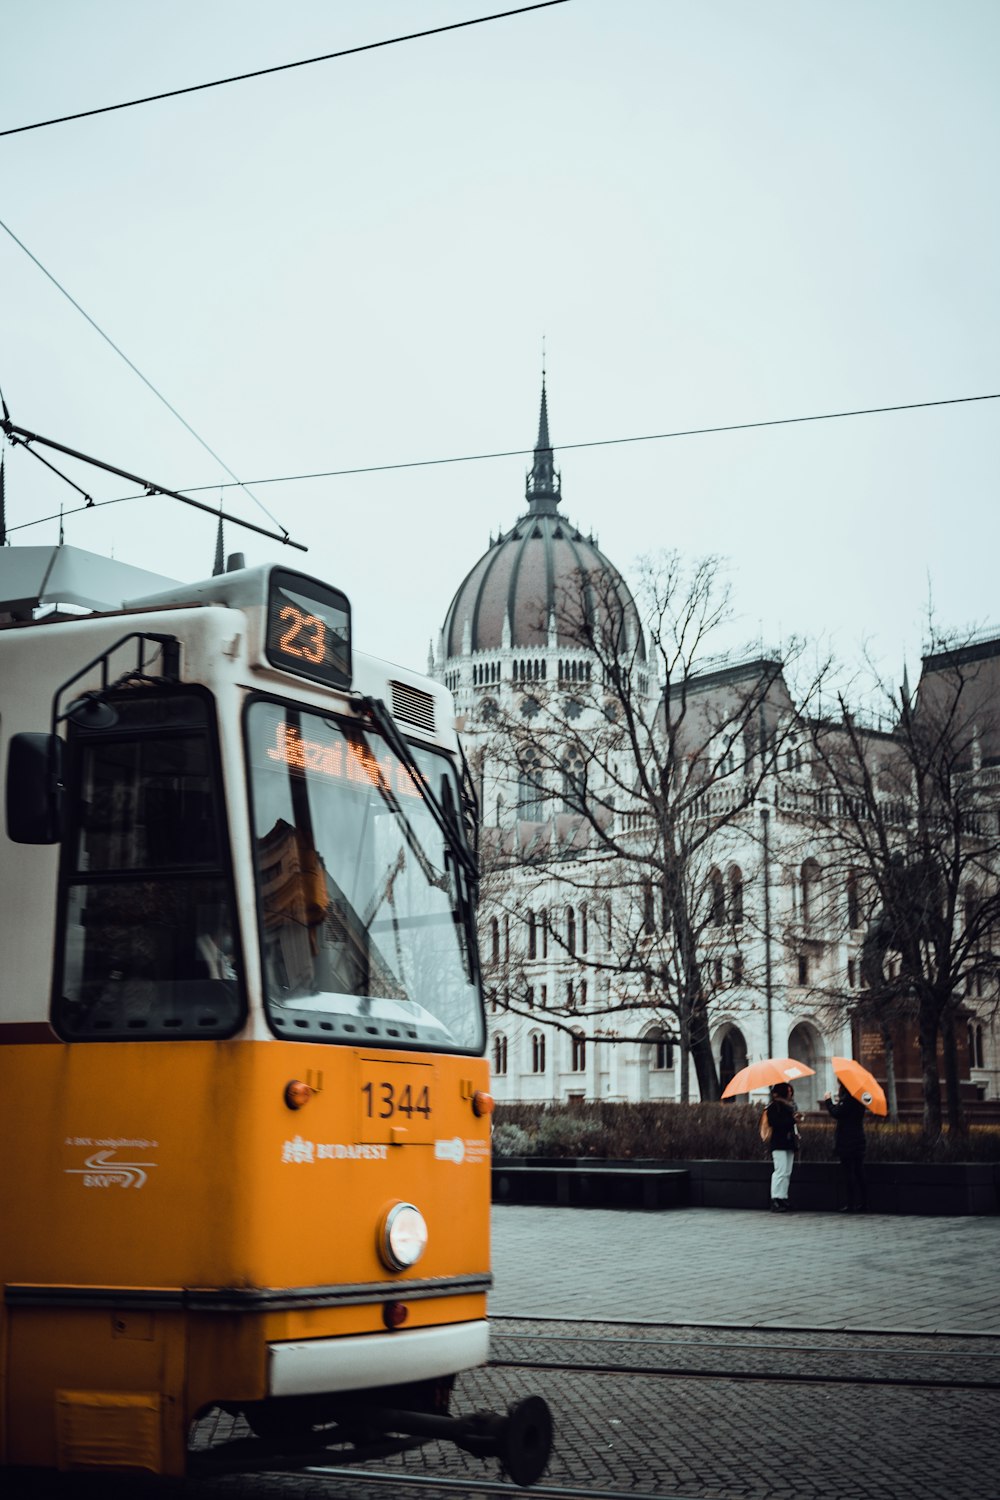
<point x="636" y="775"/>
<point x="913" y="813"/>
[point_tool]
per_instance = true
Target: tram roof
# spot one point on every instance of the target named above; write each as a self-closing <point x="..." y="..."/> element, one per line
<point x="35" y="576"/>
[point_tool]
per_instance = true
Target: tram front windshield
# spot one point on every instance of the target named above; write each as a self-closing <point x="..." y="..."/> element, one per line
<point x="366" y="918"/>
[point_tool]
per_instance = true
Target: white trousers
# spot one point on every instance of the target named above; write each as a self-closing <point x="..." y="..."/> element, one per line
<point x="782" y="1174"/>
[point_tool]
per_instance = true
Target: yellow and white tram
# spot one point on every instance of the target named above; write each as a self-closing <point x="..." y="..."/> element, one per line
<point x="243" y="1098"/>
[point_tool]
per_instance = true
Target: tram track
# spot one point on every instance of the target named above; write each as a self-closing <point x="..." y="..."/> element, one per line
<point x="631" y="1404"/>
<point x="424" y="1483"/>
<point x="857" y="1360"/>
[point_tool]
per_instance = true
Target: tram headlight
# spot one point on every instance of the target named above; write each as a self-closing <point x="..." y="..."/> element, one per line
<point x="402" y="1237"/>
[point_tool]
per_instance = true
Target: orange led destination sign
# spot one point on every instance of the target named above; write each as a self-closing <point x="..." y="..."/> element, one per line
<point x="308" y="628"/>
<point x="341" y="760"/>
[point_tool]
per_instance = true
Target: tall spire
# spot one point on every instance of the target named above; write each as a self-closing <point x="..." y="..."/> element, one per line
<point x="220" y="552"/>
<point x="542" y="486"/>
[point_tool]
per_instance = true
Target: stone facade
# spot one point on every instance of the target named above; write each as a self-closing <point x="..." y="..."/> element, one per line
<point x="579" y="952"/>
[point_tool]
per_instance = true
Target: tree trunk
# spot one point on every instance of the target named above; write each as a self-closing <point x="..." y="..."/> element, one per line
<point x="928" y="1024"/>
<point x="891" y="1097"/>
<point x="956" y="1114"/>
<point x="685" y="1039"/>
<point x="704" y="1063"/>
<point x="701" y="1051"/>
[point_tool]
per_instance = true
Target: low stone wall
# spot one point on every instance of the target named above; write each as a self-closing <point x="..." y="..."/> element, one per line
<point x="592" y="1185"/>
<point x="893" y="1187"/>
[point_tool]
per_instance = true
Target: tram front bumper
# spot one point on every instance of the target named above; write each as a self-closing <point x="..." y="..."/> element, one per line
<point x="306" y="1367"/>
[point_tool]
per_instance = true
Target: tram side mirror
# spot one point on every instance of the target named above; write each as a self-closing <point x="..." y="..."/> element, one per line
<point x="34" y="789"/>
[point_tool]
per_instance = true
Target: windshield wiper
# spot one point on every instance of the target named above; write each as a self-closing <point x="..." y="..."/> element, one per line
<point x="376" y="710"/>
<point x="448" y="822"/>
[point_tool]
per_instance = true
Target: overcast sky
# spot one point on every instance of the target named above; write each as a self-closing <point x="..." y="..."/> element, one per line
<point x="715" y="212"/>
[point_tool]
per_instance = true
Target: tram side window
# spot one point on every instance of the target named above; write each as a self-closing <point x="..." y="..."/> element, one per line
<point x="148" y="947"/>
<point x="147" y="804"/>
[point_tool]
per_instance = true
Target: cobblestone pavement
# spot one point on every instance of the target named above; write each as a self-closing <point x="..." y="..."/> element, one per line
<point x="725" y="1294"/>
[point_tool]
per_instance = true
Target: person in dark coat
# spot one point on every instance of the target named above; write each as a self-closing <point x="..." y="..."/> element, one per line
<point x="849" y="1145"/>
<point x="784" y="1143"/>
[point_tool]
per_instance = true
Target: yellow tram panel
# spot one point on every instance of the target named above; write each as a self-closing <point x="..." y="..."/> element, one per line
<point x="181" y="1165"/>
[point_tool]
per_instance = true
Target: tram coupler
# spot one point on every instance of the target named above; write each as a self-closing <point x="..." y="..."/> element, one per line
<point x="521" y="1439"/>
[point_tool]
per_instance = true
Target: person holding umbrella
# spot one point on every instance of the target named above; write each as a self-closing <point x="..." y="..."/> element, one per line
<point x="783" y="1142"/>
<point x="849" y="1146"/>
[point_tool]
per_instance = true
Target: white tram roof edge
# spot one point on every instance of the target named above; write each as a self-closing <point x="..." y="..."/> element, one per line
<point x="33" y="576"/>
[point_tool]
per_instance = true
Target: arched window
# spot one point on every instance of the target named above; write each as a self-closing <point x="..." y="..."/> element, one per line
<point x="494" y="940"/>
<point x="732" y="1054"/>
<point x="648" y="908"/>
<point x="543" y="920"/>
<point x="806" y="1043"/>
<point x="537" y="1052"/>
<point x="853" y="903"/>
<point x="532" y="936"/>
<point x="656" y="1053"/>
<point x="735" y="895"/>
<point x="583" y="929"/>
<point x="530" y="792"/>
<point x="578" y="1054"/>
<point x="570" y="930"/>
<point x="574" y="769"/>
<point x="716" y="898"/>
<point x="499" y="1054"/>
<point x="971" y="903"/>
<point x="810" y="878"/>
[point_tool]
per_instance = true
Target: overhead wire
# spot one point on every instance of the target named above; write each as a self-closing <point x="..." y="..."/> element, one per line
<point x="22" y="436"/>
<point x="304" y="62"/>
<point x="466" y="458"/>
<point x="196" y="88"/>
<point x="145" y="380"/>
<point x="647" y="437"/>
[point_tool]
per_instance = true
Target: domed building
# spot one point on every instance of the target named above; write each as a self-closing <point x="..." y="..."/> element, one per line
<point x="514" y="651"/>
<point x="543" y="648"/>
<point x="516" y="615"/>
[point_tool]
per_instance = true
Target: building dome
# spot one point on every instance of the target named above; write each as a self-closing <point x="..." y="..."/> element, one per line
<point x="530" y="573"/>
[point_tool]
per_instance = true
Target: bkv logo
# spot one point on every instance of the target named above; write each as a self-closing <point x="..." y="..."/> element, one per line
<point x="101" y="1171"/>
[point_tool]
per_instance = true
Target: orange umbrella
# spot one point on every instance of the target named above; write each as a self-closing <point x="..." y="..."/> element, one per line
<point x="760" y="1075"/>
<point x="860" y="1084"/>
